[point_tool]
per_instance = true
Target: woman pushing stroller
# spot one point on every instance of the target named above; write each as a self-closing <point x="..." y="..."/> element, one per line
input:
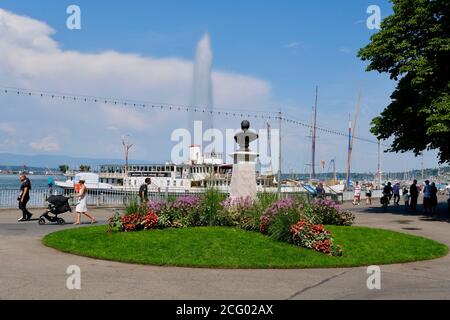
<point x="81" y="208"/>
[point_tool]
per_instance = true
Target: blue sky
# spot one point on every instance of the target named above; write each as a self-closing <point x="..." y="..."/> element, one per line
<point x="294" y="44"/>
<point x="291" y="46"/>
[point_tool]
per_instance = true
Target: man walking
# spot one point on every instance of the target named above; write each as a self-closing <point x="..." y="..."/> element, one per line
<point x="396" y="190"/>
<point x="143" y="192"/>
<point x="24" y="197"/>
<point x="414" y="195"/>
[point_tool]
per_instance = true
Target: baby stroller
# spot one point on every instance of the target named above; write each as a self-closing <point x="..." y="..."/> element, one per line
<point x="56" y="205"/>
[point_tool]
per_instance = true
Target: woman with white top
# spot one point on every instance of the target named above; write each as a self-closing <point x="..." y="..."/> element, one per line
<point x="82" y="204"/>
<point x="357" y="198"/>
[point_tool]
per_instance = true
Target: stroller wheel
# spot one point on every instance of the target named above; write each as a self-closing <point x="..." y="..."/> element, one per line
<point x="41" y="221"/>
<point x="61" y="221"/>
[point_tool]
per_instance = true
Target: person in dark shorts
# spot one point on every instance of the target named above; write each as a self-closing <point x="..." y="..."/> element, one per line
<point x="414" y="194"/>
<point x="406" y="198"/>
<point x="427" y="197"/>
<point x="369" y="189"/>
<point x="24" y="197"/>
<point x="143" y="191"/>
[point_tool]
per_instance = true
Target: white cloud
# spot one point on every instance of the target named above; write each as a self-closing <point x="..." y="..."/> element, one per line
<point x="31" y="58"/>
<point x="47" y="144"/>
<point x="292" y="45"/>
<point x="7" y="127"/>
<point x="344" y="50"/>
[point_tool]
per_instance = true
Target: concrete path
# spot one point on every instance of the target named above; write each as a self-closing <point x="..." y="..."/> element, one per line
<point x="29" y="270"/>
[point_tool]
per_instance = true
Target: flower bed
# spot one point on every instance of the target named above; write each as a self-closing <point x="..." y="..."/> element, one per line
<point x="133" y="222"/>
<point x="316" y="237"/>
<point x="243" y="213"/>
<point x="322" y="211"/>
<point x="284" y="206"/>
<point x="287" y="220"/>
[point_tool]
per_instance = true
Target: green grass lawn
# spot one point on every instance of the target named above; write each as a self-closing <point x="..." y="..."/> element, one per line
<point x="218" y="247"/>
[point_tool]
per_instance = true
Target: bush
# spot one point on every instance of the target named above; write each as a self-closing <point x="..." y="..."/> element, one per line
<point x="323" y="211"/>
<point x="266" y="199"/>
<point x="150" y="220"/>
<point x="285" y="206"/>
<point x="177" y="213"/>
<point x="280" y="227"/>
<point x="185" y="211"/>
<point x="211" y="210"/>
<point x="315" y="237"/>
<point x="133" y="206"/>
<point x="115" y="222"/>
<point x="133" y="222"/>
<point x="244" y="213"/>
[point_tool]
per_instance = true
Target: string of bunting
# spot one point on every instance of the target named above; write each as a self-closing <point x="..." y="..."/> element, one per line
<point x="162" y="106"/>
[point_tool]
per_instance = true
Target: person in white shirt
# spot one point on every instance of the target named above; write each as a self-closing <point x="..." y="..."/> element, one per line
<point x="357" y="197"/>
<point x="406" y="198"/>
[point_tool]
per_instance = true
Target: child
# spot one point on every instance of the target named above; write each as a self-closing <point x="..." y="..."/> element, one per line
<point x="406" y="198"/>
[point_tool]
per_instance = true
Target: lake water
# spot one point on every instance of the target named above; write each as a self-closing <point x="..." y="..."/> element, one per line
<point x="12" y="181"/>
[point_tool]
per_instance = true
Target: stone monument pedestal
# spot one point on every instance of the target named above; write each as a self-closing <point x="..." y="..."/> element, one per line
<point x="243" y="179"/>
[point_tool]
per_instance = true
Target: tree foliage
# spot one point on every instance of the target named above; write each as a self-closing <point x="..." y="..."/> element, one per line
<point x="64" y="168"/>
<point x="85" y="168"/>
<point x="413" y="46"/>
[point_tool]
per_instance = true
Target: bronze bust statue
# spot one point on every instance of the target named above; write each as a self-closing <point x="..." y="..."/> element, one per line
<point x="245" y="137"/>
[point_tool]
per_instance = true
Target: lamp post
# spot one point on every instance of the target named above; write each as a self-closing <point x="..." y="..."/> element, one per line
<point x="127" y="146"/>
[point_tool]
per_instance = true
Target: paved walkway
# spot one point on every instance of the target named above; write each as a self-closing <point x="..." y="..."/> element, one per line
<point x="29" y="270"/>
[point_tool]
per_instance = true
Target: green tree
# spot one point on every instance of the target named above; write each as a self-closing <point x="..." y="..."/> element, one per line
<point x="85" y="168"/>
<point x="413" y="46"/>
<point x="63" y="168"/>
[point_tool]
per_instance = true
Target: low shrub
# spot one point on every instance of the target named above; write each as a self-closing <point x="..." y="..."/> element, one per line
<point x="150" y="220"/>
<point x="315" y="237"/>
<point x="279" y="228"/>
<point x="133" y="206"/>
<point x="323" y="211"/>
<point x="211" y="210"/>
<point x="134" y="222"/>
<point x="266" y="199"/>
<point x="244" y="213"/>
<point x="115" y="222"/>
<point x="285" y="206"/>
<point x="185" y="211"/>
<point x="131" y="222"/>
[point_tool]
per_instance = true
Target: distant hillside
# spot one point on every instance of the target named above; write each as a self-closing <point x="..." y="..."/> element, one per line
<point x="8" y="160"/>
<point x="414" y="174"/>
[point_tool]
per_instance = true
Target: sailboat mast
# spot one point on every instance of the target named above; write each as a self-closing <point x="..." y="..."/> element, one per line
<point x="313" y="145"/>
<point x="352" y="138"/>
<point x="347" y="180"/>
<point x="334" y="171"/>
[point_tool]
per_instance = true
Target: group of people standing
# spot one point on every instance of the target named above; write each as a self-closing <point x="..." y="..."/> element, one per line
<point x="430" y="201"/>
<point x="410" y="196"/>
